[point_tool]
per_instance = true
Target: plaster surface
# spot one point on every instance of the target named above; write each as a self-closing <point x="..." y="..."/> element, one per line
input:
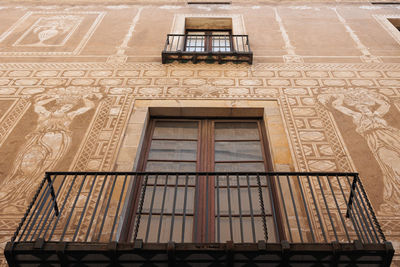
<point x="74" y="80"/>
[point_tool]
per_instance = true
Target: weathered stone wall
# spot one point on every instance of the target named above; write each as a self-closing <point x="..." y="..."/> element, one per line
<point x="68" y="90"/>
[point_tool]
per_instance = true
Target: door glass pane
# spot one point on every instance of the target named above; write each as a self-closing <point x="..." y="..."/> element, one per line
<point x="156" y="166"/>
<point x="238" y="208"/>
<point x="221" y="42"/>
<point x="173" y="150"/>
<point x="195" y="42"/>
<point x="236" y="147"/>
<point x="176" y="130"/>
<point x="238" y="151"/>
<point x="164" y="200"/>
<point x="240" y="167"/>
<point x="236" y="131"/>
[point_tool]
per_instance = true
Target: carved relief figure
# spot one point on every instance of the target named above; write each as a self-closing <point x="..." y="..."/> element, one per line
<point x="50" y="31"/>
<point x="367" y="109"/>
<point x="47" y="144"/>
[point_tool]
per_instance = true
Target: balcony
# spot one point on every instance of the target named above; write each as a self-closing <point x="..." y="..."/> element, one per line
<point x="125" y="218"/>
<point x="208" y="48"/>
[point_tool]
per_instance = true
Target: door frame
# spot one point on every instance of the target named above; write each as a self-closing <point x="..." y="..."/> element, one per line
<point x="205" y="162"/>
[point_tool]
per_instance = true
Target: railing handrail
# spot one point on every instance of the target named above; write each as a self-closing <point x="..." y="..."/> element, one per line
<point x="202" y="173"/>
<point x="349" y="194"/>
<point x="219" y="48"/>
<point x="233" y="35"/>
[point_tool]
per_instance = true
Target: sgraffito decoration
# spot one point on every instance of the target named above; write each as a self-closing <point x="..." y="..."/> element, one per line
<point x="367" y="109"/>
<point x="47" y="144"/>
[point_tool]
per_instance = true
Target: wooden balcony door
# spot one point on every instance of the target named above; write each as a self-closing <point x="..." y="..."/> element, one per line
<point x="208" y="41"/>
<point x="201" y="145"/>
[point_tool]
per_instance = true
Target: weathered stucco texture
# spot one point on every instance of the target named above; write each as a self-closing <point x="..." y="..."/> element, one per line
<point x="70" y="76"/>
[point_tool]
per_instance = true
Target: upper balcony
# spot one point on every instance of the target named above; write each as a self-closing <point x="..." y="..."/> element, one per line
<point x="125" y="218"/>
<point x="209" y="48"/>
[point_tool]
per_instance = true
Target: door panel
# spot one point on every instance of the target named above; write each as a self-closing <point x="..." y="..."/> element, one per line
<point x="204" y="208"/>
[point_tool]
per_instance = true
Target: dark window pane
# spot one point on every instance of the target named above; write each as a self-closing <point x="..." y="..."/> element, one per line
<point x="176" y="129"/>
<point x="238" y="151"/>
<point x="173" y="150"/>
<point x="239" y="167"/>
<point x="221" y="43"/>
<point x="236" y="131"/>
<point x="195" y="43"/>
<point x="153" y="166"/>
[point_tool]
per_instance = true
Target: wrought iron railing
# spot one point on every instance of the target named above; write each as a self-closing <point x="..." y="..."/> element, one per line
<point x="219" y="48"/>
<point x="200" y="207"/>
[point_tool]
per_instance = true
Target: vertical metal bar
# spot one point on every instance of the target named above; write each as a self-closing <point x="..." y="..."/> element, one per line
<point x="207" y="204"/>
<point x="84" y="209"/>
<point x="327" y="208"/>
<point x="140" y="209"/>
<point x="345" y="201"/>
<point x="172" y="43"/>
<point x="371" y="210"/>
<point x="305" y="207"/>
<point x="284" y="208"/>
<point x="364" y="208"/>
<point x="49" y="222"/>
<point x="244" y="49"/>
<point x="61" y="210"/>
<point x="95" y="208"/>
<point x="240" y="209"/>
<point x="350" y="202"/>
<point x="107" y="207"/>
<point x="118" y="207"/>
<point x="295" y="209"/>
<point x="177" y="44"/>
<point x="171" y="232"/>
<point x="262" y="208"/>
<point x="237" y="44"/>
<point x="33" y="213"/>
<point x="271" y="198"/>
<point x="196" y="208"/>
<point x="229" y="206"/>
<point x="218" y="212"/>
<point x="49" y="210"/>
<point x="362" y="212"/>
<point x="316" y="208"/>
<point x="358" y="211"/>
<point x="166" y="43"/>
<point x="21" y="223"/>
<point x="248" y="43"/>
<point x="184" y="209"/>
<point x="251" y="209"/>
<point x="357" y="225"/>
<point x="338" y="209"/>
<point x="151" y="208"/>
<point x="162" y="209"/>
<point x="354" y="211"/>
<point x="73" y="208"/>
<point x="37" y="211"/>
<point x="53" y="196"/>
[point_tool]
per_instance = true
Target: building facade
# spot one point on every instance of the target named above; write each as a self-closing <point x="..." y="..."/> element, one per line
<point x="249" y="86"/>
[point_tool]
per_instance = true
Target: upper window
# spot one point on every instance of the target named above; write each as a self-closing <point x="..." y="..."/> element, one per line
<point x="395" y="23"/>
<point x="205" y="145"/>
<point x="208" y="41"/>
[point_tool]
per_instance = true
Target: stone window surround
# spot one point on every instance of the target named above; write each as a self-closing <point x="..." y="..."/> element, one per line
<point x="178" y="25"/>
<point x="129" y="152"/>
<point x="383" y="20"/>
